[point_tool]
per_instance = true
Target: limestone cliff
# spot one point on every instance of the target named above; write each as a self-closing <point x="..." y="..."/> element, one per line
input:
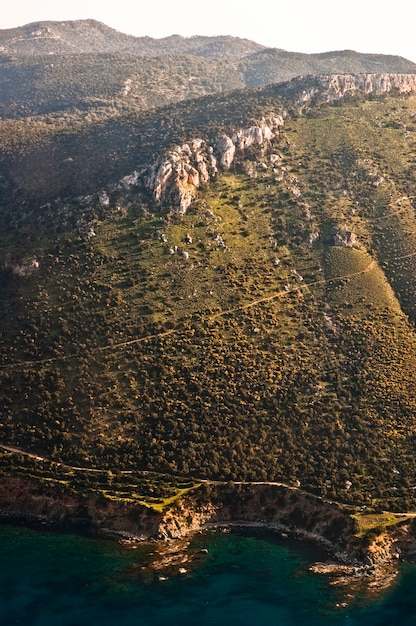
<point x="312" y="91"/>
<point x="357" y="563"/>
<point x="175" y="177"/>
<point x="272" y="506"/>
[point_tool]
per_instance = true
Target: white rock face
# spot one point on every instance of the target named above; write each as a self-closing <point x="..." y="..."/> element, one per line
<point x="178" y="174"/>
<point x="346" y="238"/>
<point x="175" y="177"/>
<point x="333" y="87"/>
<point x="25" y="269"/>
<point x="261" y="134"/>
<point x="226" y="150"/>
<point x="103" y="199"/>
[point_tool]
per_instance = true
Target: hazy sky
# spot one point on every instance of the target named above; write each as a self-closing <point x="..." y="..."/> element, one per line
<point x="296" y="25"/>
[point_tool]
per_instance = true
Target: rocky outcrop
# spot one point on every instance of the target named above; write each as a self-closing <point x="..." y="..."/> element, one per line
<point x="272" y="506"/>
<point x="345" y="238"/>
<point x="314" y="90"/>
<point x="351" y="561"/>
<point x="24" y="269"/>
<point x="174" y="178"/>
<point x="36" y="503"/>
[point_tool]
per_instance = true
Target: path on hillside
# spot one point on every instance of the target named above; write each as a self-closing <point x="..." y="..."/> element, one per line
<point x="269" y="483"/>
<point x="95" y="470"/>
<point x="173" y="331"/>
<point x="279" y="294"/>
<point x="391" y="204"/>
<point x="36" y="457"/>
<point x="225" y="312"/>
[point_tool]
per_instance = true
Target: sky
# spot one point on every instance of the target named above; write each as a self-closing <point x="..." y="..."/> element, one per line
<point x="295" y="25"/>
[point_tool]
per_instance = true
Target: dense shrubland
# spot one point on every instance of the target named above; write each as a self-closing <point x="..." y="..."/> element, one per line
<point x="267" y="352"/>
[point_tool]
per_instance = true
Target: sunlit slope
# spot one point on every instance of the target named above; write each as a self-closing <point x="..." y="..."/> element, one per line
<point x="264" y="335"/>
<point x="360" y="174"/>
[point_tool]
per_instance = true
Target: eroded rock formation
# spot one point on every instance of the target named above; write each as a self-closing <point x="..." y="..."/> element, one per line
<point x="176" y="176"/>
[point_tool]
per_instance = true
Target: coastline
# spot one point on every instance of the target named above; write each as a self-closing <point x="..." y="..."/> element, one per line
<point x="351" y="561"/>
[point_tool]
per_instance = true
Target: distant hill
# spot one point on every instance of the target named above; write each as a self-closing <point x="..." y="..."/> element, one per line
<point x="49" y="67"/>
<point x="86" y="36"/>
<point x="275" y="66"/>
<point x="34" y="85"/>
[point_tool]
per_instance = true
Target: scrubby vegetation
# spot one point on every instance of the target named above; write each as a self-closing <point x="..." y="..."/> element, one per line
<point x="56" y="67"/>
<point x="280" y="347"/>
<point x="153" y="491"/>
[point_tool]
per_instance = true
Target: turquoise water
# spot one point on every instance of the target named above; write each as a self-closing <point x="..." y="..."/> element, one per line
<point x="67" y="580"/>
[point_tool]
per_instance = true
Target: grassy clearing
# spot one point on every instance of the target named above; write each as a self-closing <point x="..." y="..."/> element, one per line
<point x="377" y="521"/>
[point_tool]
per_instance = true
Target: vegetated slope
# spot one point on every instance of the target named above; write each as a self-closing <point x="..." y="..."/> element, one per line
<point x="52" y="67"/>
<point x="91" y="36"/>
<point x="53" y="155"/>
<point x="274" y="66"/>
<point x="263" y="335"/>
<point x="43" y="84"/>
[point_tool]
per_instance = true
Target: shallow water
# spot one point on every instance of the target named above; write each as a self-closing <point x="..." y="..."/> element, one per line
<point x="245" y="579"/>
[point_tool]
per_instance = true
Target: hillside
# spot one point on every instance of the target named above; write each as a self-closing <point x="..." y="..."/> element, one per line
<point x="91" y="36"/>
<point x="256" y="324"/>
<point x="72" y="68"/>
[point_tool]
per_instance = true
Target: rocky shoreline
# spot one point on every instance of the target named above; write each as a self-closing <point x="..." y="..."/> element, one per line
<point x="353" y="562"/>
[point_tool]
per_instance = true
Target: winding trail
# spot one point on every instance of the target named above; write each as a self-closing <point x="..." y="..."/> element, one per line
<point x="279" y="294"/>
<point x="36" y="457"/>
<point x="95" y="470"/>
<point x="172" y="331"/>
<point x="205" y="481"/>
<point x="225" y="312"/>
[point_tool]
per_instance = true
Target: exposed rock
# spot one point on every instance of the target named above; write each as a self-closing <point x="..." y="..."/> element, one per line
<point x="314" y="236"/>
<point x="281" y="508"/>
<point x="346" y="238"/>
<point x="127" y="182"/>
<point x="175" y="177"/>
<point x="333" y="87"/>
<point x="85" y="229"/>
<point x="103" y="199"/>
<point x="263" y="133"/>
<point x="225" y="148"/>
<point x="27" y="268"/>
<point x="298" y="276"/>
<point x="220" y="242"/>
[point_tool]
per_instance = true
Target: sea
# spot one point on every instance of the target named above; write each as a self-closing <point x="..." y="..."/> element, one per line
<point x="242" y="578"/>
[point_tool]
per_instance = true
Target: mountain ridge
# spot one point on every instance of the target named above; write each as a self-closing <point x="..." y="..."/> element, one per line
<point x="59" y="67"/>
<point x="45" y="174"/>
<point x="73" y="37"/>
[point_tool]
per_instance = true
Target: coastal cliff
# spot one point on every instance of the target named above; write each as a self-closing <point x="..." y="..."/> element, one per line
<point x="371" y="560"/>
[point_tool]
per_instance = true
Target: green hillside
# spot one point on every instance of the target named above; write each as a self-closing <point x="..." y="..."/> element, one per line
<point x="84" y="68"/>
<point x="119" y="81"/>
<point x="267" y="334"/>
